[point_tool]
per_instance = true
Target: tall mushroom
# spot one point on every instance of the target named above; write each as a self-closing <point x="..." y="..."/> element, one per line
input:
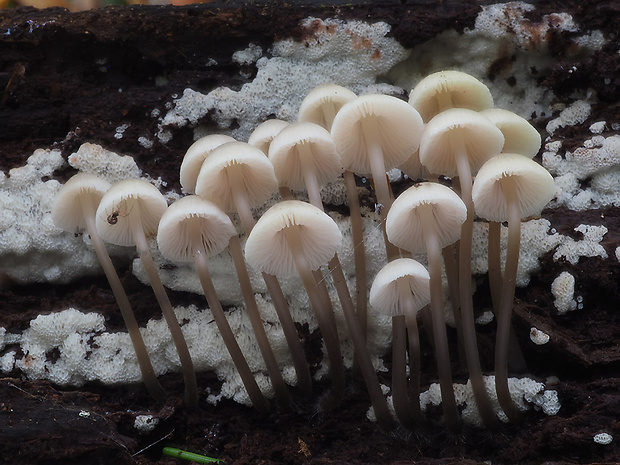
<point x="428" y="217"/>
<point x="74" y="210"/>
<point x="237" y="176"/>
<point x="375" y="133"/>
<point x="510" y="187"/>
<point x="320" y="106"/>
<point x="128" y="213"/>
<point x="191" y="230"/>
<point x="449" y="89"/>
<point x="304" y="155"/>
<point x="401" y="289"/>
<point x="457" y="142"/>
<point x="294" y="236"/>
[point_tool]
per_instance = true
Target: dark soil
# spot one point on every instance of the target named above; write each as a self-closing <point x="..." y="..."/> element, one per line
<point x="52" y="95"/>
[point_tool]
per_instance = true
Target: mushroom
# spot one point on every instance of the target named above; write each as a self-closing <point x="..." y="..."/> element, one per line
<point x="304" y="155"/>
<point x="375" y="133"/>
<point x="522" y="138"/>
<point x="191" y="230"/>
<point x="320" y="106"/>
<point x="510" y="187"/>
<point x="457" y="142"/>
<point x="401" y="289"/>
<point x="294" y="236"/>
<point x="449" y="89"/>
<point x="74" y="210"/>
<point x="428" y="217"/>
<point x="195" y="155"/>
<point x="264" y="133"/>
<point x="236" y="176"/>
<point x="128" y="213"/>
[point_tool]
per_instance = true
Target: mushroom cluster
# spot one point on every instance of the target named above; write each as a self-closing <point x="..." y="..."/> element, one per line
<point x="464" y="159"/>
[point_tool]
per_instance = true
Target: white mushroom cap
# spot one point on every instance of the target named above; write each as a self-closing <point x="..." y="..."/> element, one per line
<point x="519" y="135"/>
<point x="312" y="107"/>
<point x="267" y="248"/>
<point x="397" y="124"/>
<point x="174" y="237"/>
<point x="403" y="225"/>
<point x="482" y="140"/>
<point x="285" y="153"/>
<point x="67" y="210"/>
<point x="257" y="176"/>
<point x="449" y="89"/>
<point x="120" y="201"/>
<point x="264" y="133"/>
<point x="534" y="186"/>
<point x="385" y="294"/>
<point x="195" y="155"/>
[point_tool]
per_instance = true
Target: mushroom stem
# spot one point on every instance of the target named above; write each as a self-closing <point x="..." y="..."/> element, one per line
<point x="361" y="284"/>
<point x="440" y="336"/>
<point x="328" y="331"/>
<point x="452" y="275"/>
<point x="465" y="290"/>
<point x="411" y="322"/>
<point x="310" y="180"/>
<point x="279" y="386"/>
<point x="506" y="300"/>
<point x="516" y="360"/>
<point x="402" y="407"/>
<point x="382" y="189"/>
<point x="304" y="380"/>
<point x="144" y="362"/>
<point x="189" y="376"/>
<point x="382" y="412"/>
<point x="202" y="268"/>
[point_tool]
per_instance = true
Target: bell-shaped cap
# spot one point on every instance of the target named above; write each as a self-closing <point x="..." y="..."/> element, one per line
<point x="195" y="155"/>
<point x="534" y="186"/>
<point x="67" y="209"/>
<point x="324" y="100"/>
<point x="267" y="248"/>
<point x="264" y="133"/>
<point x="385" y="293"/>
<point x="253" y="174"/>
<point x="304" y="140"/>
<point x="455" y="130"/>
<point x="519" y="135"/>
<point x="378" y="119"/>
<point x="135" y="197"/>
<point x="404" y="226"/>
<point x="449" y="89"/>
<point x="212" y="229"/>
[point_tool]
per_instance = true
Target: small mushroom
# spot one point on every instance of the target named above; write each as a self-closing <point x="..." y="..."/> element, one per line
<point x="457" y="142"/>
<point x="128" y="213"/>
<point x="401" y="289"/>
<point x="264" y="133"/>
<point x="195" y="155"/>
<point x="74" y="210"/>
<point x="510" y="187"/>
<point x="237" y="176"/>
<point x="294" y="236"/>
<point x="322" y="104"/>
<point x="191" y="230"/>
<point x="428" y="217"/>
<point x="375" y="133"/>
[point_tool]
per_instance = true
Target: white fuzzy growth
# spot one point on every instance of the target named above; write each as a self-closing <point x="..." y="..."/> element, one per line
<point x="94" y="159"/>
<point x="589" y="246"/>
<point x="563" y="290"/>
<point x="526" y="394"/>
<point x="145" y="423"/>
<point x="603" y="438"/>
<point x="577" y="113"/>
<point x="538" y="337"/>
<point x="351" y="54"/>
